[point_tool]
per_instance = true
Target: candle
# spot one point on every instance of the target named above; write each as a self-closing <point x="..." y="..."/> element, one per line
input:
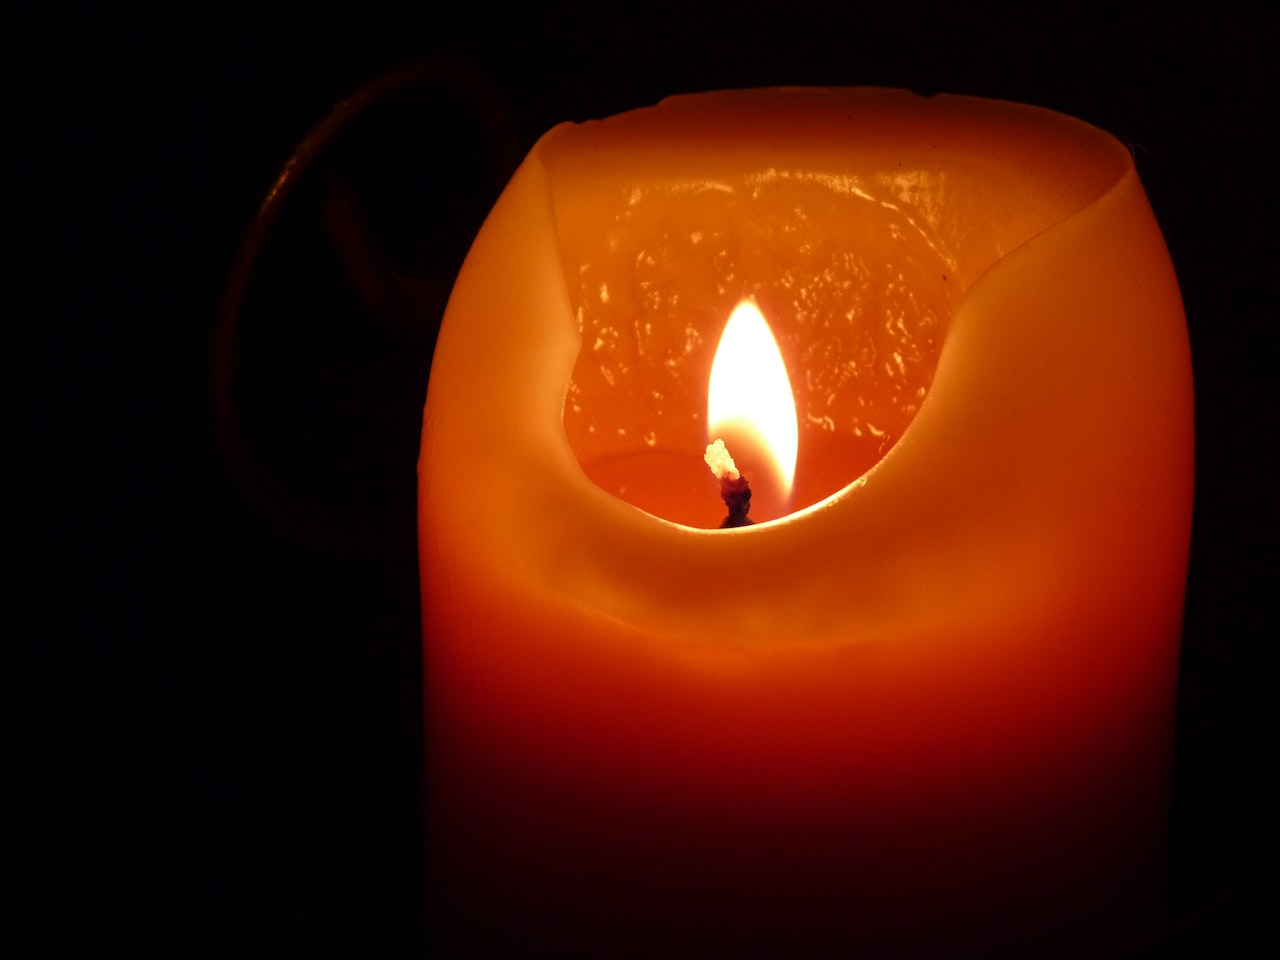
<point x="928" y="708"/>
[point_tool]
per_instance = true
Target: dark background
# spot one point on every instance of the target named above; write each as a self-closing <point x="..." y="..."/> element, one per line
<point x="221" y="733"/>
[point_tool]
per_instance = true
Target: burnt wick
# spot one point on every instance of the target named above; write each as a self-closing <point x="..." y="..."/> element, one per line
<point x="734" y="489"/>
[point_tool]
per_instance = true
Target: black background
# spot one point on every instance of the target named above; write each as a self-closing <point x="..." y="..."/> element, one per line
<point x="220" y="736"/>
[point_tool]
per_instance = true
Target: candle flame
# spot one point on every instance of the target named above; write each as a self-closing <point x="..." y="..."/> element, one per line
<point x="750" y="398"/>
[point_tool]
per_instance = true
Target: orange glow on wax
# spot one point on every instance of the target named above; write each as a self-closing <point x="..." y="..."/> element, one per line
<point x="930" y="712"/>
<point x="751" y="407"/>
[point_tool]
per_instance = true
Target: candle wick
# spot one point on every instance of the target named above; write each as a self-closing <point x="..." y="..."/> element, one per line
<point x="737" y="497"/>
<point x="734" y="489"/>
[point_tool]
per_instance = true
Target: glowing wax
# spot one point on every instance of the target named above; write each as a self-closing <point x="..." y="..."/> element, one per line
<point x="931" y="708"/>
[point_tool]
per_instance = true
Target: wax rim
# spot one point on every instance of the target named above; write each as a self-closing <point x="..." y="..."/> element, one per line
<point x="979" y="507"/>
<point x="1103" y="142"/>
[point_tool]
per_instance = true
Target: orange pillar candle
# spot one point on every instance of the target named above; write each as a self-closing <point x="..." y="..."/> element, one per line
<point x="931" y="707"/>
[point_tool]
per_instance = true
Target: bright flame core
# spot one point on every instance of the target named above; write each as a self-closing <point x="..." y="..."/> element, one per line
<point x="750" y="397"/>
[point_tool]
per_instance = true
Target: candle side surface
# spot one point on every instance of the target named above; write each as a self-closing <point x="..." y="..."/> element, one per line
<point x="932" y="709"/>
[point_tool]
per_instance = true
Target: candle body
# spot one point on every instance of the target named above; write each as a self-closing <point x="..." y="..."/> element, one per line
<point x="931" y="711"/>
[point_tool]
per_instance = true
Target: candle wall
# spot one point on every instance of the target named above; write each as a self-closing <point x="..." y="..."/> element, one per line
<point x="932" y="710"/>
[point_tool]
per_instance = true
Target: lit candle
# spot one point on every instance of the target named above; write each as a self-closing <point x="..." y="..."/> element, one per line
<point x="928" y="708"/>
